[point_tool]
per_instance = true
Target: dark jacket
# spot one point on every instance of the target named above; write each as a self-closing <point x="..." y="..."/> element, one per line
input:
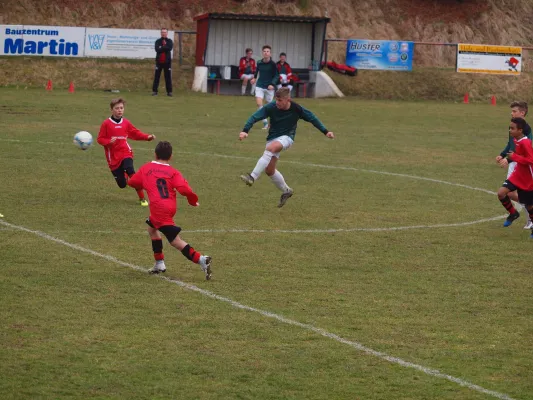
<point x="159" y="48"/>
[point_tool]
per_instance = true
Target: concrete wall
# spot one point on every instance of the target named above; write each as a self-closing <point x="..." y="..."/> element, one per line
<point x="324" y="85"/>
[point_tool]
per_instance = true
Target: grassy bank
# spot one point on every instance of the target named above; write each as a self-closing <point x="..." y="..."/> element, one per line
<point x="131" y="75"/>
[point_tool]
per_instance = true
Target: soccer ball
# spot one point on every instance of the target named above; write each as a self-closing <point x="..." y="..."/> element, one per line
<point x="83" y="140"/>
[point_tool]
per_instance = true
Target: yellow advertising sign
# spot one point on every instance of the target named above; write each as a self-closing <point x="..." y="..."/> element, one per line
<point x="488" y="59"/>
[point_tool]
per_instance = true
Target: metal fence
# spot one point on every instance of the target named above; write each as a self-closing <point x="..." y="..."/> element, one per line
<point x="186" y="45"/>
<point x="427" y="54"/>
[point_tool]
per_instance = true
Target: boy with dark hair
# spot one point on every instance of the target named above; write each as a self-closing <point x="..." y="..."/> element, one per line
<point x="113" y="136"/>
<point x="285" y="72"/>
<point x="161" y="181"/>
<point x="519" y="109"/>
<point x="284" y="115"/>
<point x="268" y="78"/>
<point x="521" y="179"/>
<point x="247" y="69"/>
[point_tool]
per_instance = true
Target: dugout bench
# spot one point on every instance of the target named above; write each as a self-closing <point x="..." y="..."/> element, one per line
<point x="216" y="84"/>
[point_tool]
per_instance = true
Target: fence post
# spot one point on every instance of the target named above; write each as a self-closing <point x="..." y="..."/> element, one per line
<point x="179" y="46"/>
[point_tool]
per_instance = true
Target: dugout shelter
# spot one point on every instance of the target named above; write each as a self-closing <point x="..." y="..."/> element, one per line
<point x="221" y="40"/>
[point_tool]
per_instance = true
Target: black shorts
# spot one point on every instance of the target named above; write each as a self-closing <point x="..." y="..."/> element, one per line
<point x="524" y="196"/>
<point x="170" y="231"/>
<point x="125" y="166"/>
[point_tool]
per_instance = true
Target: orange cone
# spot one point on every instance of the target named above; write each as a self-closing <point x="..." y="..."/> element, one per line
<point x="49" y="85"/>
<point x="71" y="87"/>
<point x="465" y="99"/>
<point x="493" y="100"/>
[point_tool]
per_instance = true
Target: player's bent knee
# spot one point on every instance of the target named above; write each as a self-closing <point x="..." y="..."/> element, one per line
<point x="122" y="183"/>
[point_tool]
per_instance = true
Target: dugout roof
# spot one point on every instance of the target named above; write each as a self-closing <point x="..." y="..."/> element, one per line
<point x="222" y="38"/>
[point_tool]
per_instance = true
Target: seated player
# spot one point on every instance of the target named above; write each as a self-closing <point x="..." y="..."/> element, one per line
<point x="521" y="180"/>
<point x="285" y="72"/>
<point x="114" y="134"/>
<point x="161" y="182"/>
<point x="247" y="69"/>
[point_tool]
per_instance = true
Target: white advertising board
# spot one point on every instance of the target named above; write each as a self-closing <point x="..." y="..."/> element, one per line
<point x="35" y="40"/>
<point x="122" y="43"/>
<point x="487" y="59"/>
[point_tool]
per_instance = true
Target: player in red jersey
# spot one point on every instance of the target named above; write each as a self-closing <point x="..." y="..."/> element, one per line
<point x="114" y="134"/>
<point x="521" y="179"/>
<point x="161" y="181"/>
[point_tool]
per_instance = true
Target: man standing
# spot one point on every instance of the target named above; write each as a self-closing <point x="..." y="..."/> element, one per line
<point x="163" y="58"/>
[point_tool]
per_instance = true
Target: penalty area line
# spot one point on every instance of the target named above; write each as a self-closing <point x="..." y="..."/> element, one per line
<point x="356" y="345"/>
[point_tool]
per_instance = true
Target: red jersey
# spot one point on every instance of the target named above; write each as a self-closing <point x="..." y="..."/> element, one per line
<point x="522" y="176"/>
<point x="161" y="181"/>
<point x="285" y="69"/>
<point x="118" y="151"/>
<point x="247" y="66"/>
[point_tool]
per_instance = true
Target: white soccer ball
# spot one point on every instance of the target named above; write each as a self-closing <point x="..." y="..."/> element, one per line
<point x="83" y="140"/>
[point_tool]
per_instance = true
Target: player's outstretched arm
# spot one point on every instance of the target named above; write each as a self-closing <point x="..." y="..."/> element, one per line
<point x="182" y="187"/>
<point x="136" y="134"/>
<point x="257" y="116"/>
<point x="308" y="116"/>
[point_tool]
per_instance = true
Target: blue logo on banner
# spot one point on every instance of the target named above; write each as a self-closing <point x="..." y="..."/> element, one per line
<point x="380" y="55"/>
<point x="96" y="42"/>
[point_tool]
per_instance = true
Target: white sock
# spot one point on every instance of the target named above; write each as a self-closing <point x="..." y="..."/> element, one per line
<point x="243" y="89"/>
<point x="279" y="181"/>
<point x="261" y="165"/>
<point x="201" y="261"/>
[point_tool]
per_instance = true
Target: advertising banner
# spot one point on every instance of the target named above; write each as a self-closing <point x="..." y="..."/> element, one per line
<point x="487" y="59"/>
<point x="122" y="43"/>
<point x="34" y="40"/>
<point x="380" y="55"/>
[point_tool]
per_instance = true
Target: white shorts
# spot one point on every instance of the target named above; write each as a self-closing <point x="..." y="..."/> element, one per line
<point x="510" y="169"/>
<point x="247" y="76"/>
<point x="266" y="94"/>
<point x="285" y="141"/>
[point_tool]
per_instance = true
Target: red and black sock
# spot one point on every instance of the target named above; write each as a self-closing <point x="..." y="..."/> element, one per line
<point x="191" y="254"/>
<point x="506" y="202"/>
<point x="157" y="247"/>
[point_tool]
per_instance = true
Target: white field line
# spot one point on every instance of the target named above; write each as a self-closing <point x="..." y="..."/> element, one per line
<point x="358" y="346"/>
<point x="339" y="230"/>
<point x="324" y="166"/>
<point x="399" y="228"/>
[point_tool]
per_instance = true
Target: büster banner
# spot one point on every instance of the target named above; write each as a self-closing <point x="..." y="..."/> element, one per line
<point x="380" y="55"/>
<point x="487" y="59"/>
<point x="122" y="43"/>
<point x="35" y="40"/>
